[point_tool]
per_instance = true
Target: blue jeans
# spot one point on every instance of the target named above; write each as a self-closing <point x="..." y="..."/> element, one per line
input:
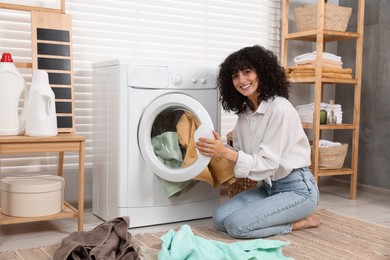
<point x="265" y="211"/>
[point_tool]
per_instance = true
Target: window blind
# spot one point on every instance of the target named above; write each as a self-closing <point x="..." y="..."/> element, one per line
<point x="194" y="31"/>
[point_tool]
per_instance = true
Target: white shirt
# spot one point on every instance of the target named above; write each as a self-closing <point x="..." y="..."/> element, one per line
<point x="271" y="141"/>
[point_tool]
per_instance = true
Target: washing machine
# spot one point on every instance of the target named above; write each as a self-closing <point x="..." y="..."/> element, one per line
<point x="133" y="104"/>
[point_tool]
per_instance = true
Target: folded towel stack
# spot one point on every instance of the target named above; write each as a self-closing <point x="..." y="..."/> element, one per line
<point x="329" y="60"/>
<point x="305" y="65"/>
<point x="306" y="112"/>
<point x="310" y="72"/>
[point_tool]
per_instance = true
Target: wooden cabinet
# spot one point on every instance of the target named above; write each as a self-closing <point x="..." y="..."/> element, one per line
<point x="321" y="37"/>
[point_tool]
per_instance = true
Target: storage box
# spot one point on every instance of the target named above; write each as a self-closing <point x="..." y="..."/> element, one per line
<point x="32" y="196"/>
<point x="331" y="157"/>
<point x="336" y="17"/>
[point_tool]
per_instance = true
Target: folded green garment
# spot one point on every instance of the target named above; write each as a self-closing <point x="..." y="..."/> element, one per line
<point x="185" y="245"/>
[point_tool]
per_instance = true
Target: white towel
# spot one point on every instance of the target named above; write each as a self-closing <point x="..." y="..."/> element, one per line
<point x="305" y="112"/>
<point x="312" y="56"/>
<point x="326" y="143"/>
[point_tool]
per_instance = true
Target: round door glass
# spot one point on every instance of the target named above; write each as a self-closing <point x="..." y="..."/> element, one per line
<point x="172" y="137"/>
<point x="167" y="132"/>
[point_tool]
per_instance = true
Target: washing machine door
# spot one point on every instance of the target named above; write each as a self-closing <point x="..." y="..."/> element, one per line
<point x="167" y="132"/>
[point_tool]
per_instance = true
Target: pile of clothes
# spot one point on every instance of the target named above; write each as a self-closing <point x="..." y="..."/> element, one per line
<point x="305" y="66"/>
<point x="112" y="240"/>
<point x="305" y="112"/>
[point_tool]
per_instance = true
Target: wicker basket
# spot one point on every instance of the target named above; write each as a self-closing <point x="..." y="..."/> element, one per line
<point x="336" y="17"/>
<point x="241" y="184"/>
<point x="332" y="157"/>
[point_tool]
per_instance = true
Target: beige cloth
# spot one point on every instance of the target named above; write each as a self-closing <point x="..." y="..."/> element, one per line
<point x="327" y="72"/>
<point x="109" y="240"/>
<point x="219" y="171"/>
<point x="324" y="75"/>
<point x="325" y="63"/>
<point x="313" y="68"/>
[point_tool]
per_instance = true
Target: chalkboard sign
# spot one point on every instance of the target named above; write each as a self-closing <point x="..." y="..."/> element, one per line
<point x="52" y="51"/>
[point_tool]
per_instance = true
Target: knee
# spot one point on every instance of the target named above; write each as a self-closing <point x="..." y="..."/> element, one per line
<point x="234" y="229"/>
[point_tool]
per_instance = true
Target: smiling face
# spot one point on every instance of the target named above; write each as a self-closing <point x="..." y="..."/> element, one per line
<point x="246" y="82"/>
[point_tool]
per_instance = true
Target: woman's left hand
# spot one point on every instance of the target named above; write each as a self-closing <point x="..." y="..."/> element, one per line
<point x="211" y="147"/>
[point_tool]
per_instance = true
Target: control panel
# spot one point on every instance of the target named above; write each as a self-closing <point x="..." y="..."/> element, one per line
<point x="193" y="77"/>
<point x="197" y="76"/>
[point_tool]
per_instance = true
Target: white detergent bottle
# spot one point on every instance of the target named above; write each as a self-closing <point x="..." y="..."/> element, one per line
<point x="41" y="118"/>
<point x="12" y="85"/>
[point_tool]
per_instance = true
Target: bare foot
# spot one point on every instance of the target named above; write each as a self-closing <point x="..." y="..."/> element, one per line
<point x="310" y="221"/>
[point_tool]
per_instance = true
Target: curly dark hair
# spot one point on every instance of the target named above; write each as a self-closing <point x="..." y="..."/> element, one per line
<point x="272" y="78"/>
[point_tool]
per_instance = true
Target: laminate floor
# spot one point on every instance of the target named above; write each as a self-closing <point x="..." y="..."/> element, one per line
<point x="370" y="205"/>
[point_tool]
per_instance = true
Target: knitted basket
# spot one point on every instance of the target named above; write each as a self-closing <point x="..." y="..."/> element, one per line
<point x="331" y="157"/>
<point x="336" y="17"/>
<point x="241" y="184"/>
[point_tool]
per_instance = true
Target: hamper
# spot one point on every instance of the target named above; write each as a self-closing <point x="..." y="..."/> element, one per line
<point x="32" y="196"/>
<point x="336" y="17"/>
<point x="241" y="184"/>
<point x="331" y="157"/>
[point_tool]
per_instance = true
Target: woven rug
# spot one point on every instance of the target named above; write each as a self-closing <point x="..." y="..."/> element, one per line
<point x="338" y="237"/>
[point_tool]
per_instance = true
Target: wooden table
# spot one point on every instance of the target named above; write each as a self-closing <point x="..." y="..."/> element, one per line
<point x="61" y="143"/>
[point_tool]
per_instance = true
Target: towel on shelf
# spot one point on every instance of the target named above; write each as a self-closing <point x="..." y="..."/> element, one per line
<point x="325" y="63"/>
<point x="306" y="111"/>
<point x="313" y="69"/>
<point x="327" y="143"/>
<point x="324" y="75"/>
<point x="313" y="56"/>
<point x="310" y="72"/>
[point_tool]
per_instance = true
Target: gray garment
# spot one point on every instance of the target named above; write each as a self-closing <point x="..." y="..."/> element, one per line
<point x="109" y="240"/>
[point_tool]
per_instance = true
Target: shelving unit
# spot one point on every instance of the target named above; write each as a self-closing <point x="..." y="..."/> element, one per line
<point x="60" y="144"/>
<point x="321" y="37"/>
<point x="52" y="22"/>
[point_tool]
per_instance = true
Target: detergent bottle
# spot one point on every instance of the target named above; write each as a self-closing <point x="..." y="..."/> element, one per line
<point x="12" y="85"/>
<point x="41" y="118"/>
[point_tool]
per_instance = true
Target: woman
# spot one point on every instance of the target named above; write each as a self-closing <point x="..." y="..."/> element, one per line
<point x="270" y="147"/>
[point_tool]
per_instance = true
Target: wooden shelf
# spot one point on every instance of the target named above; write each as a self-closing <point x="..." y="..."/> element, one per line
<point x="329" y="36"/>
<point x="330" y="127"/>
<point x="67" y="212"/>
<point x="61" y="143"/>
<point x="332" y="172"/>
<point x="321" y="36"/>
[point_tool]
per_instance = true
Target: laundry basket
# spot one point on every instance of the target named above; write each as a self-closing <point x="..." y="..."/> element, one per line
<point x="336" y="17"/>
<point x="331" y="157"/>
<point x="241" y="184"/>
